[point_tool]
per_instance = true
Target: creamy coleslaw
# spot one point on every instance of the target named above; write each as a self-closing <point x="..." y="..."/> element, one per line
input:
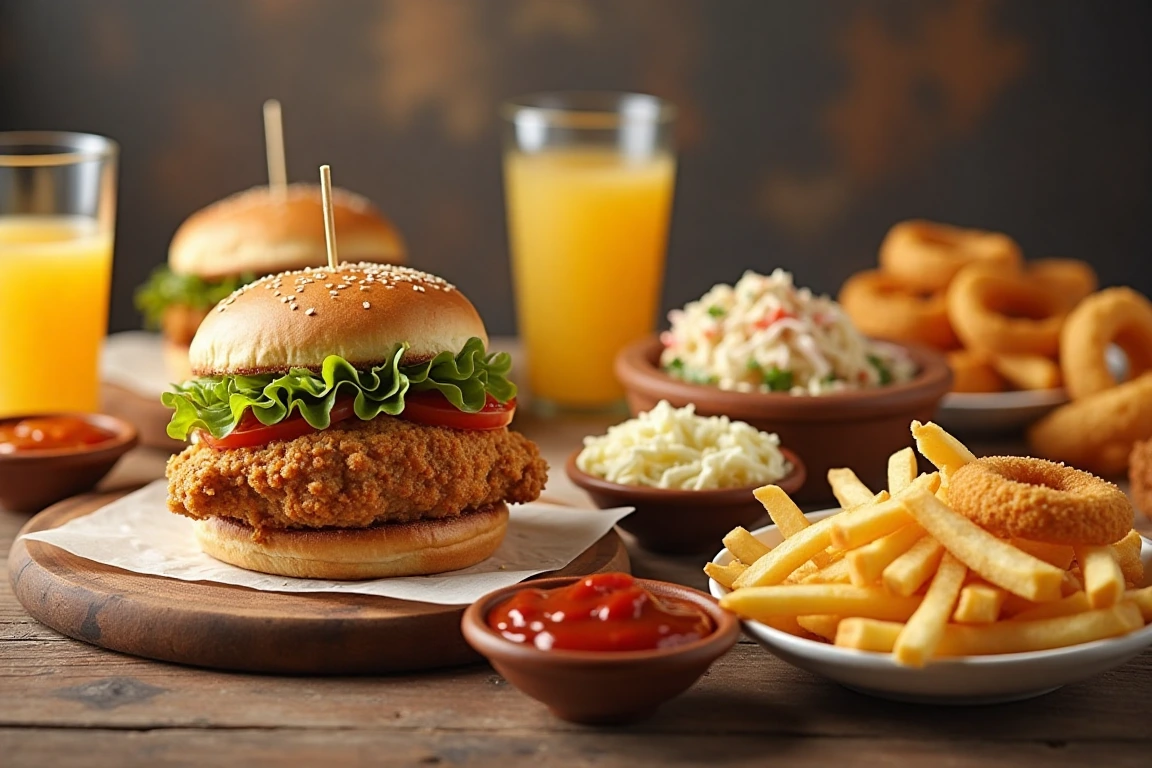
<point x="766" y="335"/>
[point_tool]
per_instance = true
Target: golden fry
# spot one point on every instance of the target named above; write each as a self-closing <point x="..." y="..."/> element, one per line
<point x="848" y="489"/>
<point x="924" y="630"/>
<point x="744" y="546"/>
<point x="1077" y="602"/>
<point x="724" y="575"/>
<point x="867" y="563"/>
<point x="941" y="448"/>
<point x="1127" y="552"/>
<point x="785" y="624"/>
<point x="1003" y="636"/>
<point x="1143" y="600"/>
<point x="807" y="599"/>
<point x="1103" y="579"/>
<point x="787" y="517"/>
<point x="902" y="470"/>
<point x="805" y="571"/>
<point x="789" y="555"/>
<point x="909" y="571"/>
<point x="834" y="573"/>
<point x="978" y="604"/>
<point x="1059" y="555"/>
<point x="996" y="560"/>
<point x="821" y="625"/>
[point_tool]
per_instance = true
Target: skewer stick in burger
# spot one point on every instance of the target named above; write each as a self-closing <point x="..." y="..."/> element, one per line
<point x="348" y="423"/>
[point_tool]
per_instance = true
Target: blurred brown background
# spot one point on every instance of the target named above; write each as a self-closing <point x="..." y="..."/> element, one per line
<point x="807" y="128"/>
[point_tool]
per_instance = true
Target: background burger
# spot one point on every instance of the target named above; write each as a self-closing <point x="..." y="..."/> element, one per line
<point x="249" y="234"/>
<point x="349" y="424"/>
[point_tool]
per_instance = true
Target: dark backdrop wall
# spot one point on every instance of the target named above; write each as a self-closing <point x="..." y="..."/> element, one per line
<point x="808" y="127"/>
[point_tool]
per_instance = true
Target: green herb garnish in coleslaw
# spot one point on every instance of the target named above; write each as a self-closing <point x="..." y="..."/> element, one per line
<point x="766" y="335"/>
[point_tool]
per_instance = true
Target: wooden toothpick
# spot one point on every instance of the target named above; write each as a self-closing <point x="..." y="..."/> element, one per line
<point x="329" y="217"/>
<point x="274" y="147"/>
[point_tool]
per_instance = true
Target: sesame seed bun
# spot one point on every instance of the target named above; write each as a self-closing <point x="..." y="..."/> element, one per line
<point x="261" y="231"/>
<point x="390" y="549"/>
<point x="360" y="312"/>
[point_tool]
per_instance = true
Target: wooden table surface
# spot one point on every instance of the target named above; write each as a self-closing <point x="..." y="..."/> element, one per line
<point x="64" y="703"/>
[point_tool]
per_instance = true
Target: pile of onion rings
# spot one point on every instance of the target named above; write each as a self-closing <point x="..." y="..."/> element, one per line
<point x="969" y="292"/>
<point x="1099" y="429"/>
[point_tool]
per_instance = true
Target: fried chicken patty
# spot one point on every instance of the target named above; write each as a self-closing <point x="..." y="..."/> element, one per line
<point x="356" y="474"/>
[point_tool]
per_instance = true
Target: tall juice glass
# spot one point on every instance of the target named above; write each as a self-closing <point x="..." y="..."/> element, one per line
<point x="588" y="180"/>
<point x="57" y="216"/>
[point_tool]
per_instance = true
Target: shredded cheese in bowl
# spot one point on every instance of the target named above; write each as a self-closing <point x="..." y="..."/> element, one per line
<point x="766" y="335"/>
<point x="674" y="448"/>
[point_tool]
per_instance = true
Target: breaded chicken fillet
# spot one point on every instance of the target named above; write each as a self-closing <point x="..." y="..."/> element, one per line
<point x="356" y="474"/>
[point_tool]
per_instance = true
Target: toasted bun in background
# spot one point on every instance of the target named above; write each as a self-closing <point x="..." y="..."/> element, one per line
<point x="262" y="231"/>
<point x="359" y="312"/>
<point x="394" y="549"/>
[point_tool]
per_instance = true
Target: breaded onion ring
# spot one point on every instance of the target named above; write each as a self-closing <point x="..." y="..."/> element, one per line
<point x="1140" y="476"/>
<point x="925" y="256"/>
<point x="1028" y="371"/>
<point x="881" y="307"/>
<point x="1002" y="314"/>
<point x="1069" y="280"/>
<point x="973" y="373"/>
<point x="1040" y="500"/>
<point x="1097" y="432"/>
<point x="1119" y="316"/>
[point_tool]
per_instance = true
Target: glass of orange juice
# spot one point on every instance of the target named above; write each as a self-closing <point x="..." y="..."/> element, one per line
<point x="588" y="181"/>
<point x="57" y="216"/>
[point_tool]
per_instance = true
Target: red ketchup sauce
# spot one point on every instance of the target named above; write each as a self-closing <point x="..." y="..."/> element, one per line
<point x="47" y="433"/>
<point x="604" y="612"/>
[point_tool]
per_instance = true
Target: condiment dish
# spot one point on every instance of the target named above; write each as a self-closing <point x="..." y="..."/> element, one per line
<point x="857" y="428"/>
<point x="601" y="687"/>
<point x="963" y="680"/>
<point x="676" y="522"/>
<point x="32" y="480"/>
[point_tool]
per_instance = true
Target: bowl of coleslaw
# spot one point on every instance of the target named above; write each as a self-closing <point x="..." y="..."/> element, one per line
<point x="789" y="362"/>
<point x="690" y="478"/>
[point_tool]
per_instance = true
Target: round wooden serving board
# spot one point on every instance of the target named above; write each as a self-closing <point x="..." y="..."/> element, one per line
<point x="226" y="627"/>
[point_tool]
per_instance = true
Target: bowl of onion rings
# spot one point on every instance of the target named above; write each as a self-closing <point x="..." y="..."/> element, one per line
<point x="856" y="428"/>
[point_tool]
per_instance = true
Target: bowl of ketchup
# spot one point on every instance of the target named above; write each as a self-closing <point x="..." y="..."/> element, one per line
<point x="600" y="649"/>
<point x="49" y="457"/>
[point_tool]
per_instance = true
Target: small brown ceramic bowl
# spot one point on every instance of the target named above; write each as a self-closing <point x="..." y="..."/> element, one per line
<point x="601" y="687"/>
<point x="857" y="429"/>
<point x="33" y="480"/>
<point x="681" y="522"/>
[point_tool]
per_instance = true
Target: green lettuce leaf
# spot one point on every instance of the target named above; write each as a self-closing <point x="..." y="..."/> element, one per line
<point x="217" y="403"/>
<point x="165" y="288"/>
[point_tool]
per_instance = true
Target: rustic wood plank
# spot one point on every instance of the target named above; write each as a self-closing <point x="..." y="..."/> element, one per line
<point x="63" y="684"/>
<point x="199" y="748"/>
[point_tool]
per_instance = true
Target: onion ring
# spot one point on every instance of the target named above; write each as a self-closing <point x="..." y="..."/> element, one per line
<point x="1040" y="500"/>
<point x="1003" y="314"/>
<point x="1028" y="371"/>
<point x="881" y="307"/>
<point x="1097" y="432"/>
<point x="1119" y="316"/>
<point x="1069" y="280"/>
<point x="973" y="373"/>
<point x="925" y="256"/>
<point x="1140" y="476"/>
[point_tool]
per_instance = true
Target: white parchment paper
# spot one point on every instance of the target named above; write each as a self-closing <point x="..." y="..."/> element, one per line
<point x="139" y="534"/>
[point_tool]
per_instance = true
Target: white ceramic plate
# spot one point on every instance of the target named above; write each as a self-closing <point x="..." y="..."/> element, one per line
<point x="968" y="412"/>
<point x="966" y="680"/>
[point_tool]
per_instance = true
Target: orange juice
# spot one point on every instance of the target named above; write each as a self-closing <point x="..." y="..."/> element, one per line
<point x="588" y="230"/>
<point x="55" y="273"/>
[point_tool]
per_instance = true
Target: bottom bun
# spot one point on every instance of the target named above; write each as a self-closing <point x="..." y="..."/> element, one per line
<point x="389" y="549"/>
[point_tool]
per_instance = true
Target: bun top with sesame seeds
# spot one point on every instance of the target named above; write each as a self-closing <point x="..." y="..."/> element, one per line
<point x="260" y="231"/>
<point x="359" y="312"/>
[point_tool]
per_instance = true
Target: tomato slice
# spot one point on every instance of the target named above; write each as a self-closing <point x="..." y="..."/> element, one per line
<point x="250" y="432"/>
<point x="433" y="409"/>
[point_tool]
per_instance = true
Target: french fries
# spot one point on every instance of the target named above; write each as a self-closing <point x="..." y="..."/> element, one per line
<point x="900" y="572"/>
